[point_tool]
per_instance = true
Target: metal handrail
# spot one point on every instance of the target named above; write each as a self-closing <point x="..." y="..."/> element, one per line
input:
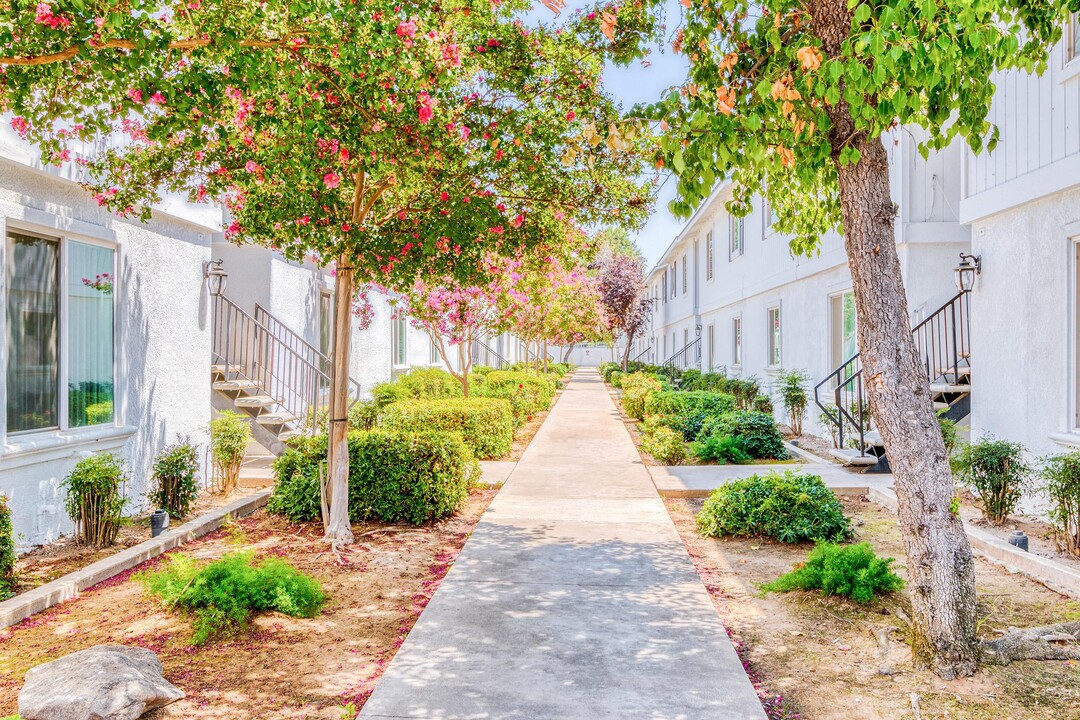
<point x="943" y="341"/>
<point x="670" y="363"/>
<point x="484" y="354"/>
<point x="302" y="347"/>
<point x="641" y="354"/>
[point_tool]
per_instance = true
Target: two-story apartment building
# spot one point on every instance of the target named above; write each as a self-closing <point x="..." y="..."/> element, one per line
<point x="730" y="296"/>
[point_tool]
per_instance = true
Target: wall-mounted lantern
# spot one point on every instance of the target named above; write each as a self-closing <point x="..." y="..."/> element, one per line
<point x="215" y="277"/>
<point x="969" y="268"/>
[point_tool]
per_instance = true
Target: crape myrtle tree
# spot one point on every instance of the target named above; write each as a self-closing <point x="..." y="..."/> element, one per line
<point x="791" y="99"/>
<point x="624" y="296"/>
<point x="396" y="139"/>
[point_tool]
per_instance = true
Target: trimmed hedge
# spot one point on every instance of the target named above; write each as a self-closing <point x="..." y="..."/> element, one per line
<point x="486" y="424"/>
<point x="637" y="387"/>
<point x="393" y="476"/>
<point x="418" y="383"/>
<point x="693" y="408"/>
<point x="7" y="551"/>
<point x="757" y="431"/>
<point x="789" y="507"/>
<point x="528" y="394"/>
<point x="665" y="445"/>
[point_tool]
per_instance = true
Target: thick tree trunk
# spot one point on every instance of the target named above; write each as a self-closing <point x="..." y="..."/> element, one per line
<point x="942" y="577"/>
<point x="626" y="352"/>
<point x="567" y="352"/>
<point x="338" y="528"/>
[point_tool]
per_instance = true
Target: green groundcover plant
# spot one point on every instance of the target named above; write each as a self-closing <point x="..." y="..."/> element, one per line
<point x="722" y="449"/>
<point x="223" y="595"/>
<point x="852" y="571"/>
<point x="693" y="407"/>
<point x="789" y="507"/>
<point x="486" y="424"/>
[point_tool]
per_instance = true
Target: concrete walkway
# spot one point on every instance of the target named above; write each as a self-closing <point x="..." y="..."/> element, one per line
<point x="573" y="599"/>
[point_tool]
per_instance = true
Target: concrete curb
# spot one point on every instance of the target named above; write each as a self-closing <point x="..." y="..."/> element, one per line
<point x="53" y="593"/>
<point x="1054" y="575"/>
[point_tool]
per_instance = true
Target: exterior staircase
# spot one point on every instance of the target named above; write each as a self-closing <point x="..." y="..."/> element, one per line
<point x="688" y="356"/>
<point x="269" y="373"/>
<point x="943" y="343"/>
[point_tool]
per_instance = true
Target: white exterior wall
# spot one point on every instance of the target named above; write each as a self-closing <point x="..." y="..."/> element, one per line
<point x="765" y="275"/>
<point x="162" y="320"/>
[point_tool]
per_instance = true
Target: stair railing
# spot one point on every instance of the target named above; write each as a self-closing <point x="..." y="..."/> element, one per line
<point x="943" y="342"/>
<point x="484" y="354"/>
<point x="302" y="347"/>
<point x="641" y="354"/>
<point x="682" y="358"/>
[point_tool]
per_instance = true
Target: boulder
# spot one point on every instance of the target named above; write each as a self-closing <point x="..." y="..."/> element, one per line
<point x="105" y="682"/>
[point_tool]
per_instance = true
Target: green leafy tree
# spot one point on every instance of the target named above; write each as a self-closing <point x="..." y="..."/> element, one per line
<point x="394" y="139"/>
<point x="790" y="99"/>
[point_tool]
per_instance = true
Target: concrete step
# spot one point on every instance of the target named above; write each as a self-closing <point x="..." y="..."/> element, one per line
<point x="286" y="434"/>
<point x="940" y="406"/>
<point x="943" y="388"/>
<point x="224" y="369"/>
<point x="276" y="418"/>
<point x="874" y="438"/>
<point x="254" y="401"/>
<point x="850" y="456"/>
<point x="235" y="385"/>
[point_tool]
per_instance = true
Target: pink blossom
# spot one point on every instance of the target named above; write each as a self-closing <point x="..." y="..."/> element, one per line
<point x="517" y="221"/>
<point x="451" y="55"/>
<point x="251" y="166"/>
<point x="45" y="16"/>
<point x="570" y="116"/>
<point x="444" y="196"/>
<point x="406" y="31"/>
<point x="21" y="126"/>
<point x="331" y="180"/>
<point x="157" y="99"/>
<point x="426" y="111"/>
<point x="135" y="94"/>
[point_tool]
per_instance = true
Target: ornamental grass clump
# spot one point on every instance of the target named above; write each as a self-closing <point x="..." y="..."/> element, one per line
<point x="223" y="595"/>
<point x="997" y="472"/>
<point x="94" y="498"/>
<point x="788" y="507"/>
<point x="851" y="571"/>
<point x="176" y="479"/>
<point x="8" y="578"/>
<point x="229" y="437"/>
<point x="1061" y="477"/>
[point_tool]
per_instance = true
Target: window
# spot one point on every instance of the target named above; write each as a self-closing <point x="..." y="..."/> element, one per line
<point x="735" y="235"/>
<point x="434" y="358"/>
<point x="60" y="333"/>
<point x="710" y="335"/>
<point x="398" y="337"/>
<point x="665" y="286"/>
<point x="768" y="217"/>
<point x="685" y="273"/>
<point x="709" y="256"/>
<point x="843" y="326"/>
<point x="674" y="279"/>
<point x="774" y="336"/>
<point x="736" y="341"/>
<point x="1072" y="38"/>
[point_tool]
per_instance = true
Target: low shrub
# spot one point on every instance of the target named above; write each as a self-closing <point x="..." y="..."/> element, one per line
<point x="384" y="393"/>
<point x="744" y="390"/>
<point x="762" y="404"/>
<point x="528" y="393"/>
<point x="229" y="436"/>
<point x="678" y="402"/>
<point x="712" y="382"/>
<point x="616" y="378"/>
<point x="665" y="445"/>
<point x="948" y="433"/>
<point x="561" y="369"/>
<point x="607" y="368"/>
<point x="430" y="384"/>
<point x="997" y="472"/>
<point x="637" y="387"/>
<point x="176" y="479"/>
<point x="393" y="476"/>
<point x="726" y="449"/>
<point x="8" y="578"/>
<point x="791" y="387"/>
<point x="364" y="415"/>
<point x="94" y="498"/>
<point x="1061" y="477"/>
<point x="688" y="377"/>
<point x="787" y="506"/>
<point x="853" y="571"/>
<point x="486" y="424"/>
<point x="481" y="370"/>
<point x="757" y="431"/>
<point x="223" y="595"/>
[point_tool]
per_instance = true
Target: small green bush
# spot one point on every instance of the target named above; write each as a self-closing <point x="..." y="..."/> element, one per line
<point x="948" y="432"/>
<point x="744" y="390"/>
<point x="528" y="394"/>
<point x="607" y="368"/>
<point x="8" y="578"/>
<point x="757" y="431"/>
<point x="430" y="384"/>
<point x="713" y="382"/>
<point x="853" y="571"/>
<point x="481" y="370"/>
<point x="665" y="445"/>
<point x="789" y="507"/>
<point x="224" y="594"/>
<point x="762" y="404"/>
<point x="997" y="472"/>
<point x="176" y="479"/>
<point x="229" y="437"/>
<point x="486" y="424"/>
<point x="385" y="393"/>
<point x="364" y="415"/>
<point x="677" y="402"/>
<point x="726" y="449"/>
<point x="1061" y="475"/>
<point x="393" y="476"/>
<point x="94" y="498"/>
<point x="637" y="387"/>
<point x="616" y="378"/>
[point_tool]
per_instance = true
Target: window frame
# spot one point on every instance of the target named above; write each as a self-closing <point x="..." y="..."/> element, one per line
<point x="710" y="254"/>
<point x="685" y="272"/>
<point x="775" y="338"/>
<point x="63" y="427"/>
<point x="1071" y="36"/>
<point x="736" y="341"/>
<point x="768" y="218"/>
<point x="398" y="336"/>
<point x="736" y="249"/>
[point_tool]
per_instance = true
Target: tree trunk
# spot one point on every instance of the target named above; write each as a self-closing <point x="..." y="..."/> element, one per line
<point x="566" y="353"/>
<point x="626" y="352"/>
<point x="338" y="528"/>
<point x="942" y="577"/>
<point x="939" y="555"/>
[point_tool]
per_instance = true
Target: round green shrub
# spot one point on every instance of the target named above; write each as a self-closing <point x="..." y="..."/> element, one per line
<point x="677" y="402"/>
<point x="528" y="393"/>
<point x="665" y="445"/>
<point x="176" y="479"/>
<point x="852" y="571"/>
<point x="725" y="449"/>
<point x="363" y="415"/>
<point x="616" y="378"/>
<point x="94" y="498"/>
<point x="393" y="476"/>
<point x="789" y="507"/>
<point x="430" y="384"/>
<point x="8" y="578"/>
<point x="637" y="387"/>
<point x="486" y="424"/>
<point x="757" y="431"/>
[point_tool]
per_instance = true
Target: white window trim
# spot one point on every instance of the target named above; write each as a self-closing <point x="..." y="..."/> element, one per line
<point x="61" y="438"/>
<point x="741" y="345"/>
<point x="769" y="338"/>
<point x="1070" y="66"/>
<point x="710" y="256"/>
<point x="1072" y="422"/>
<point x="396" y="336"/>
<point x="734" y="220"/>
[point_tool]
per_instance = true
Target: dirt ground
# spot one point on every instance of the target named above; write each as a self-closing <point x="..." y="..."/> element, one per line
<point x="283" y="667"/>
<point x="815" y="658"/>
<point x="49" y="562"/>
